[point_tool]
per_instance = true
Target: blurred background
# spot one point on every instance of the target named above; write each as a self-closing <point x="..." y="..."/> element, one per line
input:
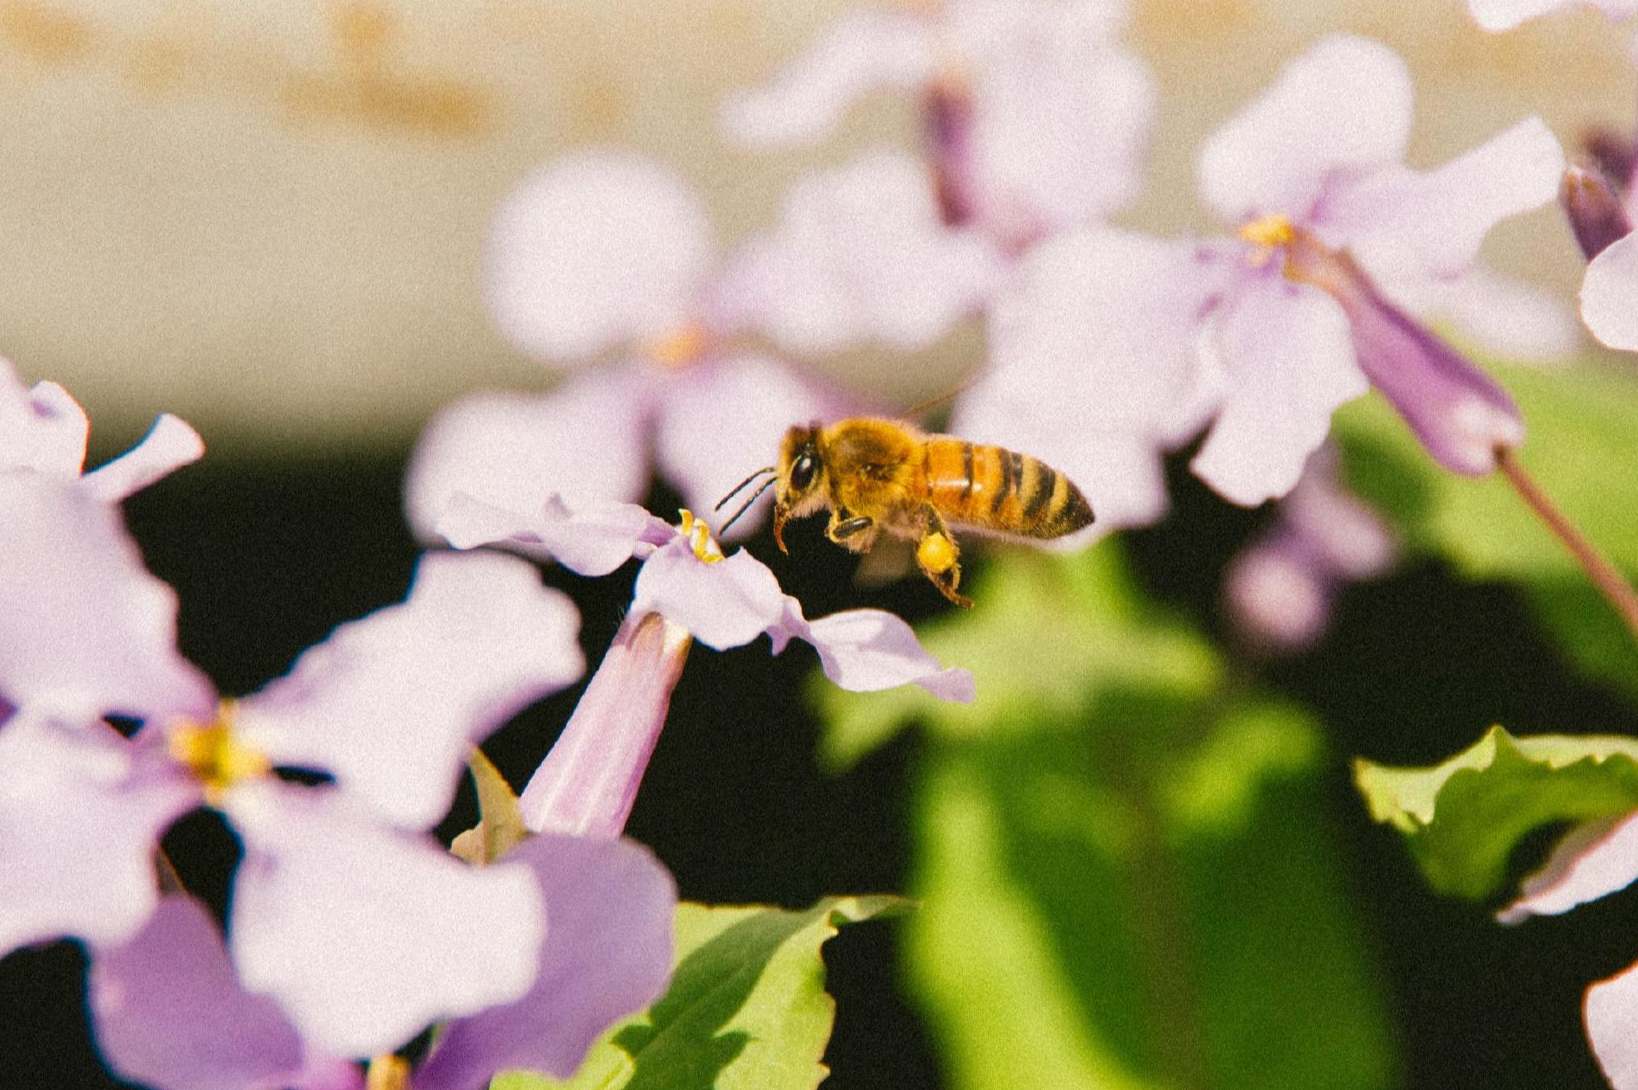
<point x="268" y="217"/>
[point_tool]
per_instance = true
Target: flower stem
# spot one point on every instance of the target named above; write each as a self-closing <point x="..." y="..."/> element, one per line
<point x="1604" y="575"/>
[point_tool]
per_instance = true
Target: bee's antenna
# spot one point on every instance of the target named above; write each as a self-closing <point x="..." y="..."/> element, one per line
<point x="741" y="485"/>
<point x="767" y="484"/>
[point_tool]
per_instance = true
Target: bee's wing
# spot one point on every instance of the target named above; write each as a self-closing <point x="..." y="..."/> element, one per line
<point x="888" y="561"/>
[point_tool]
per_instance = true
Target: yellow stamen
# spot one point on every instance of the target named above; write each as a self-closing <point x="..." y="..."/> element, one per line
<point x="1275" y="230"/>
<point x="699" y="537"/>
<point x="1267" y="234"/>
<point x="387" y="1072"/>
<point x="679" y="348"/>
<point x="212" y="753"/>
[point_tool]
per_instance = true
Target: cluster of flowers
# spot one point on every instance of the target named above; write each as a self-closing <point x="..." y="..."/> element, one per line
<point x="350" y="929"/>
<point x="1107" y="348"/>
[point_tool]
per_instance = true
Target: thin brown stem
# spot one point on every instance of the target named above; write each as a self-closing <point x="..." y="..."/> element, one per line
<point x="1604" y="575"/>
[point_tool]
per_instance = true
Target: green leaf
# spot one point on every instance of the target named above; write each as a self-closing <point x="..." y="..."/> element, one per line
<point x="1083" y="923"/>
<point x="747" y="1007"/>
<point x="1047" y="636"/>
<point x="500" y="824"/>
<point x="1463" y="818"/>
<point x="1583" y="432"/>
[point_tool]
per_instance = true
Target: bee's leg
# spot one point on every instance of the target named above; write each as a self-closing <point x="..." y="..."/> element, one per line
<point x="936" y="554"/>
<point x="856" y="532"/>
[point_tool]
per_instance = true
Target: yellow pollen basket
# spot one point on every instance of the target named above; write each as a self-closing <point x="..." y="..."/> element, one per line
<point x="936" y="553"/>
<point x="699" y="537"/>
<point x="214" y="755"/>
<point x="678" y="349"/>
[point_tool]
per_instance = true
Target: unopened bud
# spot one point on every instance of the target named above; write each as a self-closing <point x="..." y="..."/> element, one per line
<point x="1594" y="209"/>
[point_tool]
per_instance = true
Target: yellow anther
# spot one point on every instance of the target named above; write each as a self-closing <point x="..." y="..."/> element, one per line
<point x="679" y="348"/>
<point x="212" y="753"/>
<point x="387" y="1072"/>
<point x="936" y="553"/>
<point x="1275" y="230"/>
<point x="699" y="537"/>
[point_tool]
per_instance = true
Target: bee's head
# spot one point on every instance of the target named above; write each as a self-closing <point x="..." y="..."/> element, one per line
<point x="797" y="481"/>
<point x="800" y="482"/>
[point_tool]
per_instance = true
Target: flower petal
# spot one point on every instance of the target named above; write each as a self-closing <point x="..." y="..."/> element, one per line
<point x="607" y="955"/>
<point x="84" y="628"/>
<point x="169" y="1011"/>
<point x="1106" y="320"/>
<point x="598" y="249"/>
<point x="1289" y="363"/>
<point x="169" y="445"/>
<point x="861" y="52"/>
<point x="590" y="537"/>
<point x="1346" y="538"/>
<point x="80" y="816"/>
<point x="1277" y="597"/>
<point x="365" y="935"/>
<point x="1505" y="316"/>
<point x="1610" y="1011"/>
<point x="1609" y="293"/>
<point x="1402" y="225"/>
<point x="391" y="704"/>
<point x="1494" y="15"/>
<point x="864" y="650"/>
<point x="724" y="418"/>
<point x="724" y="604"/>
<point x="588" y="782"/>
<point x="860" y="256"/>
<point x="1591" y="861"/>
<point x="1061" y="122"/>
<point x="43" y="429"/>
<point x="588" y="437"/>
<point x="1342" y="108"/>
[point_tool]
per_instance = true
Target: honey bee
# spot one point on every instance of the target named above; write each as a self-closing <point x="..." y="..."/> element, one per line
<point x="877" y="475"/>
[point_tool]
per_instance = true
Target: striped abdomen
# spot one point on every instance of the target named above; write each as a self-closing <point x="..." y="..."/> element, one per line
<point x="997" y="489"/>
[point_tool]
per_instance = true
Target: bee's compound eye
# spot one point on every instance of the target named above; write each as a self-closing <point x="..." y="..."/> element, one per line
<point x="802" y="471"/>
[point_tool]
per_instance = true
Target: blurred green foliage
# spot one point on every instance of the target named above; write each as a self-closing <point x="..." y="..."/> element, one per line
<point x="1583" y="450"/>
<point x="1124" y="877"/>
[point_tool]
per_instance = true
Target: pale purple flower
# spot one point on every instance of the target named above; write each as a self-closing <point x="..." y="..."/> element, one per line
<point x="721" y="601"/>
<point x="1495" y="15"/>
<point x="1590" y="862"/>
<point x="860" y="256"/>
<point x="1280" y="590"/>
<point x="84" y="629"/>
<point x="1037" y="117"/>
<point x="1268" y="333"/>
<point x="362" y="929"/>
<point x="606" y="252"/>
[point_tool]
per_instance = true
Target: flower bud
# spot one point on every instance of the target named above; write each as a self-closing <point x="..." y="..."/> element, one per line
<point x="1594" y="209"/>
